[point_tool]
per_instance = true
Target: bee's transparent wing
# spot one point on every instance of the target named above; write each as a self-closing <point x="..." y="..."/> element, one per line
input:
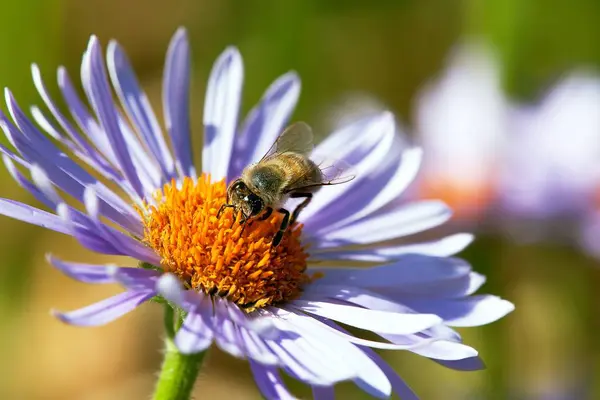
<point x="296" y="138"/>
<point x="333" y="172"/>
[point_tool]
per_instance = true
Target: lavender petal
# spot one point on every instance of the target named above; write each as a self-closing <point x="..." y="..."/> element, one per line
<point x="95" y="81"/>
<point x="176" y="87"/>
<point x="444" y="247"/>
<point x="323" y="393"/>
<point x="265" y="122"/>
<point x="469" y="311"/>
<point x="25" y="183"/>
<point x="221" y="107"/>
<point x="101" y="274"/>
<point x="269" y="382"/>
<point x="412" y="269"/>
<point x="397" y="223"/>
<point x="138" y="108"/>
<point x="79" y="141"/>
<point x="367" y="143"/>
<point x="107" y="310"/>
<point x="197" y="332"/>
<point x="398" y="385"/>
<point x="34" y="216"/>
<point x="467" y="364"/>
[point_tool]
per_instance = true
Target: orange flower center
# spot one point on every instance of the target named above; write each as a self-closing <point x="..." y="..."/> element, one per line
<point x="219" y="255"/>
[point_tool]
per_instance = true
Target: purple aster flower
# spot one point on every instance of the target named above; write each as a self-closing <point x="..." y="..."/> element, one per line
<point x="280" y="308"/>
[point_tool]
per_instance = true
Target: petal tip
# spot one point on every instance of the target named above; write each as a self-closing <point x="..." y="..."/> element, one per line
<point x="180" y="34"/>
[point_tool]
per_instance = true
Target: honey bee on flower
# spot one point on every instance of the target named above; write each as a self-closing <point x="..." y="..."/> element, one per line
<point x="286" y="171"/>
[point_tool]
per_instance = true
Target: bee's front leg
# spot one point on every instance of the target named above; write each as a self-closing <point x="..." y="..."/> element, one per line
<point x="267" y="214"/>
<point x="222" y="208"/>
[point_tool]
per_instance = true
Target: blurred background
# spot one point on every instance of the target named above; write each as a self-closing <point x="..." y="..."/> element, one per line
<point x="503" y="94"/>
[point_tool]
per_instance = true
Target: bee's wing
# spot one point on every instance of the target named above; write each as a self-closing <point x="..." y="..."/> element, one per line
<point x="296" y="138"/>
<point x="333" y="172"/>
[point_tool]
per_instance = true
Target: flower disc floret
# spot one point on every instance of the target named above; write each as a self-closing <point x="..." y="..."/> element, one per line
<point x="220" y="256"/>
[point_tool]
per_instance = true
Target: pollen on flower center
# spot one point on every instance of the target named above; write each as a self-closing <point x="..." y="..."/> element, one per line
<point x="215" y="255"/>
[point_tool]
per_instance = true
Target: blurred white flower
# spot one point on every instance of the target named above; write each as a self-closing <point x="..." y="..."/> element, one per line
<point x="552" y="165"/>
<point x="461" y="123"/>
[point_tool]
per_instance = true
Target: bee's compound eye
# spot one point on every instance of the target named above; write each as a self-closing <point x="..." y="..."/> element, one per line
<point x="256" y="203"/>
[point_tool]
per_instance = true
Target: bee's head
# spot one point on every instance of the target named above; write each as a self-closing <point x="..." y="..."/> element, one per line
<point x="242" y="198"/>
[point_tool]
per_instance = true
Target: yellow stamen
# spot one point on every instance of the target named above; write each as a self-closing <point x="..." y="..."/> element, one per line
<point x="215" y="256"/>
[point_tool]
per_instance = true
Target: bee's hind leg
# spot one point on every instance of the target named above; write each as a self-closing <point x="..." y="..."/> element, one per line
<point x="301" y="206"/>
<point x="282" y="227"/>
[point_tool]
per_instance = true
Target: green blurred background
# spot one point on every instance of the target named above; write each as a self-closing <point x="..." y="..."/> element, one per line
<point x="546" y="349"/>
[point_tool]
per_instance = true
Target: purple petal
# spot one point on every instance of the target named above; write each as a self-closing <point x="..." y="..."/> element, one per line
<point x="138" y="108"/>
<point x="32" y="215"/>
<point x="25" y="183"/>
<point x="400" y="222"/>
<point x="221" y="107"/>
<point x="82" y="229"/>
<point x="269" y="382"/>
<point x="108" y="273"/>
<point x="445" y="350"/>
<point x="146" y="167"/>
<point x="371" y="147"/>
<point x="402" y="176"/>
<point x="467" y="364"/>
<point x="196" y="333"/>
<point x="310" y="357"/>
<point x="226" y="333"/>
<point x="138" y="278"/>
<point x="367" y="374"/>
<point x="457" y="287"/>
<point x="329" y="325"/>
<point x="409" y="270"/>
<point x="372" y="320"/>
<point x="124" y="243"/>
<point x="96" y="159"/>
<point x="323" y="393"/>
<point x="87" y="273"/>
<point x="86" y="122"/>
<point x="265" y="122"/>
<point x="373" y="185"/>
<point x="444" y="247"/>
<point x="170" y="287"/>
<point x="61" y="170"/>
<point x="43" y="183"/>
<point x="93" y="76"/>
<point x="470" y="311"/>
<point x="398" y="385"/>
<point x="255" y="347"/>
<point x="176" y="87"/>
<point x="106" y="310"/>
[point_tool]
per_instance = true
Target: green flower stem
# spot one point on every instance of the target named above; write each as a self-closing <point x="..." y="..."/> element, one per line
<point x="177" y="374"/>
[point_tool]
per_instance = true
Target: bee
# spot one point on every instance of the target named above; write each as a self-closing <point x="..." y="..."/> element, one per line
<point x="284" y="172"/>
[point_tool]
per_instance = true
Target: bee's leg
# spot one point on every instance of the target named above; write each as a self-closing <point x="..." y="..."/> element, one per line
<point x="301" y="206"/>
<point x="267" y="214"/>
<point x="222" y="208"/>
<point x="244" y="222"/>
<point x="282" y="227"/>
